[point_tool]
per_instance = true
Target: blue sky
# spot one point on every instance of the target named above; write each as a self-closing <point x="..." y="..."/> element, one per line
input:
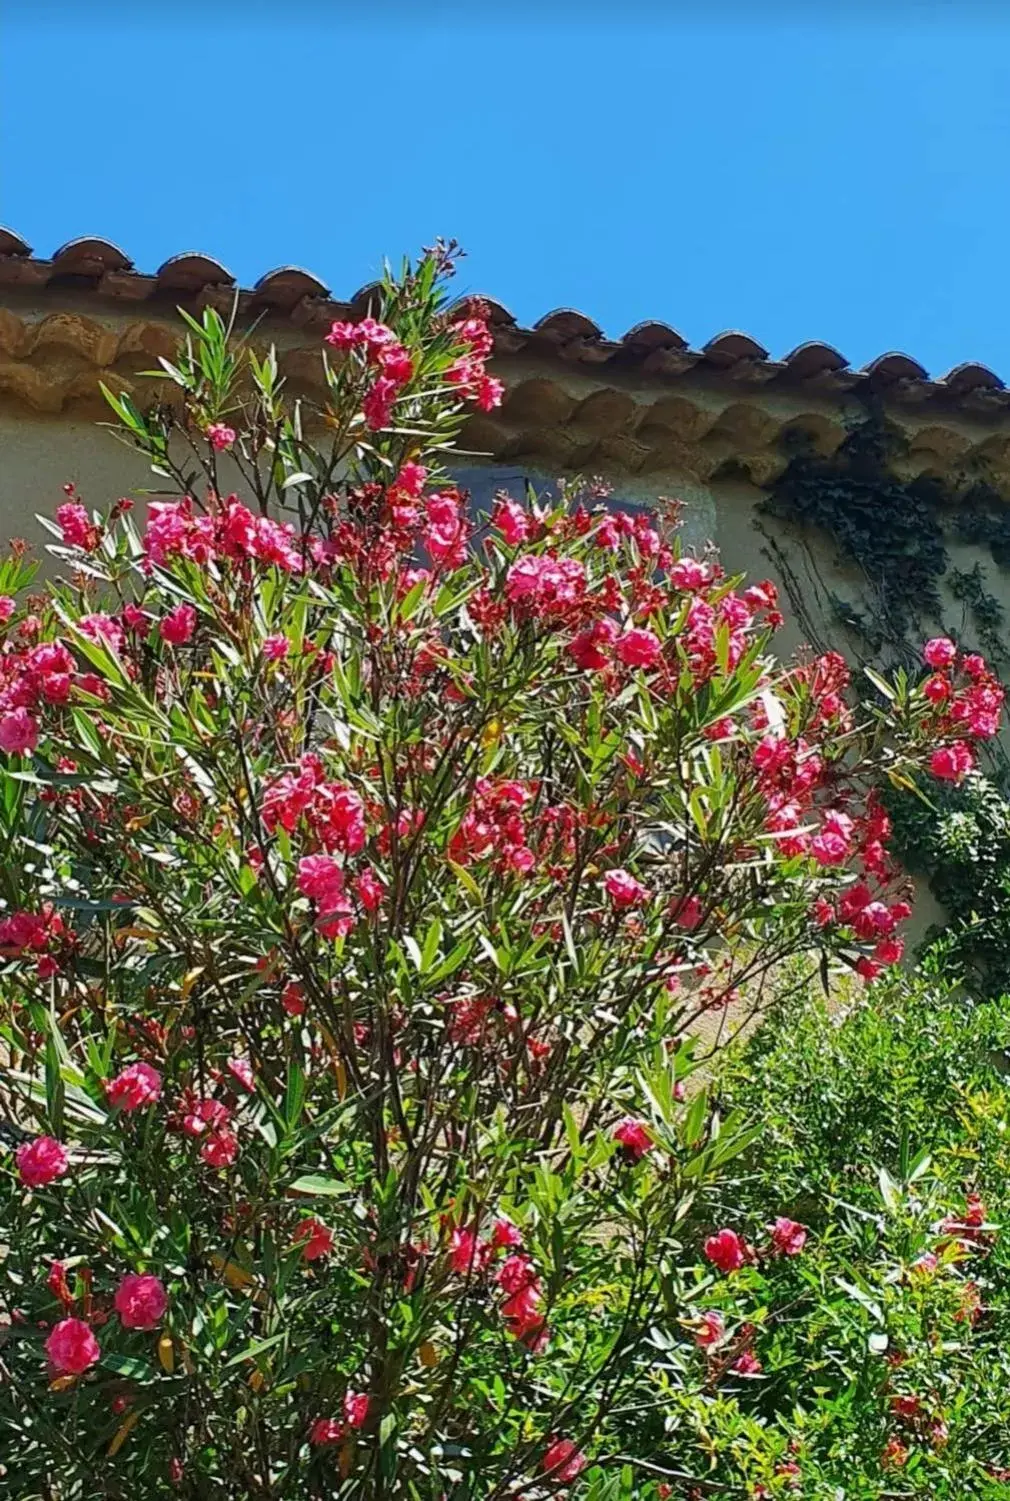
<point x="796" y="171"/>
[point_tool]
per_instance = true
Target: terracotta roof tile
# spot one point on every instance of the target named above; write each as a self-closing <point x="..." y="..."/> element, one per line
<point x="96" y="266"/>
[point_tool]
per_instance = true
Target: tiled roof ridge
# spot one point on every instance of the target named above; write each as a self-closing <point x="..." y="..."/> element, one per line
<point x="651" y="348"/>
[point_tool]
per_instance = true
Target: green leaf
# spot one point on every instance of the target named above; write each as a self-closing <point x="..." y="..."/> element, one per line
<point x="322" y="1187"/>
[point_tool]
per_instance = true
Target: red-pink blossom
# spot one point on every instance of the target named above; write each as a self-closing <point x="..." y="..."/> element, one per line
<point x="315" y="1239"/>
<point x="505" y="1235"/>
<point x="514" y="523"/>
<point x="633" y="1137"/>
<point x="72" y="1347"/>
<point x="369" y="890"/>
<point x="687" y="913"/>
<point x="726" y="1250"/>
<point x="356" y="1405"/>
<point x="746" y="1364"/>
<point x="563" y="1460"/>
<point x="41" y="1161"/>
<point x="787" y="1236"/>
<point x="77" y="527"/>
<point x="377" y="405"/>
<point x="321" y="878"/>
<point x="638" y="648"/>
<point x="889" y="951"/>
<point x="220" y="436"/>
<point x="140" y="1301"/>
<point x="951" y="763"/>
<point x="178" y="625"/>
<point x="939" y="652"/>
<point x="138" y="1086"/>
<point x="220" y="1148"/>
<point x="276" y="648"/>
<point x="688" y="573"/>
<point x="325" y="1431"/>
<point x="19" y="734"/>
<point x="242" y="1071"/>
<point x="624" y="890"/>
<point x="591" y="648"/>
<point x="712" y="1328"/>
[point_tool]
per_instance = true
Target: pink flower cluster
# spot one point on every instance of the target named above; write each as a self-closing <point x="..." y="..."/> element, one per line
<point x="140" y="1301"/>
<point x="230" y="532"/>
<point x="42" y="935"/>
<point x="972" y="708"/>
<point x="468" y="373"/>
<point x="493" y="826"/>
<point x="327" y="1431"/>
<point x="516" y="1277"/>
<point x="331" y="811"/>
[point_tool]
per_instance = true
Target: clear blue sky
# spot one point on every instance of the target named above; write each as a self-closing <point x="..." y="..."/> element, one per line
<point x="748" y="166"/>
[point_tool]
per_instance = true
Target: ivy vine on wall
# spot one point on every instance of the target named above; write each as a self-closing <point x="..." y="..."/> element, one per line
<point x="889" y="527"/>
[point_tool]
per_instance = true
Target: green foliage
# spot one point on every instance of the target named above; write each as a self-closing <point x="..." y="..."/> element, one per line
<point x="880" y="1117"/>
<point x="889" y="527"/>
<point x="960" y="842"/>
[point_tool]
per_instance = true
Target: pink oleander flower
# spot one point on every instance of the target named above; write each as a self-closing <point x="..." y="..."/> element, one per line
<point x="178" y="625"/>
<point x="220" y="1148"/>
<point x="788" y="1238"/>
<point x="688" y="573"/>
<point x="242" y="1071"/>
<point x="951" y="763"/>
<point x="356" y="1405"/>
<point x="321" y="878"/>
<point x="638" y="648"/>
<point x="138" y="1086"/>
<point x="326" y="1431"/>
<point x="71" y="1347"/>
<point x="623" y="889"/>
<point x="369" y="890"/>
<point x="633" y="1138"/>
<point x="505" y="1235"/>
<point x="77" y="527"/>
<point x="726" y="1250"/>
<point x="220" y="436"/>
<point x="19" y="734"/>
<point x="140" y="1301"/>
<point x="276" y="648"/>
<point x="315" y="1239"/>
<point x="563" y="1460"/>
<point x="940" y="652"/>
<point x="41" y="1161"/>
<point x="514" y="523"/>
<point x="746" y="1364"/>
<point x="712" y="1328"/>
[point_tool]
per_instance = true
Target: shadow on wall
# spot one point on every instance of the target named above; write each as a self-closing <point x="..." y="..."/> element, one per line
<point x="484" y="481"/>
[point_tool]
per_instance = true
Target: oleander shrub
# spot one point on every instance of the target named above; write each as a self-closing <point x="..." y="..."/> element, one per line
<point x="367" y="867"/>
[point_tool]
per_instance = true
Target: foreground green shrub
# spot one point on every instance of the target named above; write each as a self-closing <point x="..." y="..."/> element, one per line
<point x="884" y="1366"/>
<point x="959" y="840"/>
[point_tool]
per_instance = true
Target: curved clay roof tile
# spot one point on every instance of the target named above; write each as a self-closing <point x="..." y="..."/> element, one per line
<point x="365" y="300"/>
<point x="651" y="335"/>
<point x="813" y="358"/>
<point x="496" y="313"/>
<point x="191" y="272"/>
<point x="895" y="366"/>
<point x="285" y="286"/>
<point x="12" y="244"/>
<point x="726" y="349"/>
<point x="970" y="377"/>
<point x="565" y="324"/>
<point x="89" y="257"/>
